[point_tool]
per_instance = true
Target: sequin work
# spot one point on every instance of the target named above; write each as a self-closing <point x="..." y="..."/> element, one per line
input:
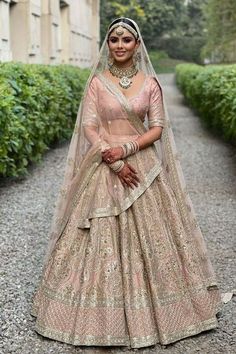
<point x="132" y="279"/>
<point x="133" y="275"/>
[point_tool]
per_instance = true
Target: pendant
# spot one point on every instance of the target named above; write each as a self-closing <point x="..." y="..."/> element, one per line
<point x="125" y="82"/>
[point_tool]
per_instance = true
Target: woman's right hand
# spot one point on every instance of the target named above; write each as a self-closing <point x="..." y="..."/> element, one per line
<point x="128" y="176"/>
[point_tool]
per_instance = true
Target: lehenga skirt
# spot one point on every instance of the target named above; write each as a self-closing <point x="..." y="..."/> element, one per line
<point x="128" y="280"/>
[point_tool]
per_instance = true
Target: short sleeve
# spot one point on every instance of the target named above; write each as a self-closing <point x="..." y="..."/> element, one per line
<point x="90" y="112"/>
<point x="156" y="115"/>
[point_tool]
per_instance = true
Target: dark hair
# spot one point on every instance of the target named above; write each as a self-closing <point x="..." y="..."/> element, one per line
<point x="125" y="20"/>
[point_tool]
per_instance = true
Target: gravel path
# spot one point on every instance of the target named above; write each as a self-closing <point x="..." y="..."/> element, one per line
<point x="26" y="212"/>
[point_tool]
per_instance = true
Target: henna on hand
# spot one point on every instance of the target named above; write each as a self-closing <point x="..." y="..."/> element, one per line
<point x="112" y="155"/>
<point x="128" y="176"/>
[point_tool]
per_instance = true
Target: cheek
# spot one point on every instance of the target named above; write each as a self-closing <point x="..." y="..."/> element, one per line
<point x="111" y="45"/>
<point x="130" y="46"/>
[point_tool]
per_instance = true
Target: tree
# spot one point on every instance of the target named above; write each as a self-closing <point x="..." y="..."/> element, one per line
<point x="162" y="19"/>
<point x="189" y="34"/>
<point x="154" y="17"/>
<point x="193" y="20"/>
<point x="109" y="10"/>
<point x="172" y="25"/>
<point x="221" y="31"/>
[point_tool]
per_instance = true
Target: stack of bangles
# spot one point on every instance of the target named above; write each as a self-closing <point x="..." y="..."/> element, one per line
<point x="129" y="148"/>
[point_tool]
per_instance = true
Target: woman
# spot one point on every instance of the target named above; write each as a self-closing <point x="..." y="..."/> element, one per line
<point x="126" y="263"/>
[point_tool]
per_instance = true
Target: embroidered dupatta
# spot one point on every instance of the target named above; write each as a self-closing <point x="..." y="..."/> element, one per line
<point x="84" y="163"/>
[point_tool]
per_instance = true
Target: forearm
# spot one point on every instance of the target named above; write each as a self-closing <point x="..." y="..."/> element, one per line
<point x="93" y="137"/>
<point x="149" y="137"/>
<point x="143" y="141"/>
<point x="92" y="134"/>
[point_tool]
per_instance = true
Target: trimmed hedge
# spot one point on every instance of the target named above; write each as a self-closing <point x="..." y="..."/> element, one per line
<point x="38" y="107"/>
<point x="211" y="91"/>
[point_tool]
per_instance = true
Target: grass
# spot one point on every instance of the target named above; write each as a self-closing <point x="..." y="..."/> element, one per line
<point x="162" y="63"/>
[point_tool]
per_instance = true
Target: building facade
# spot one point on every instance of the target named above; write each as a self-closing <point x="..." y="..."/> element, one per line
<point x="49" y="31"/>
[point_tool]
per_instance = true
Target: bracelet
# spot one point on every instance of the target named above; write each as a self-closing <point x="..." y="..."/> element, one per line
<point x="117" y="165"/>
<point x="130" y="148"/>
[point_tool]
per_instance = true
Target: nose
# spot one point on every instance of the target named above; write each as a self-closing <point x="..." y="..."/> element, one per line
<point x="120" y="43"/>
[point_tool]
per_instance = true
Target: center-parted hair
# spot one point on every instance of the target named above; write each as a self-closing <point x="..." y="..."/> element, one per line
<point x="125" y="20"/>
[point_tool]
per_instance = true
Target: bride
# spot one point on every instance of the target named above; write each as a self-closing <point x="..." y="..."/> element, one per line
<point x="127" y="264"/>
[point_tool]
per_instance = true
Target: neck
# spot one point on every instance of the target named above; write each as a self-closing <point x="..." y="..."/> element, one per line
<point x="124" y="65"/>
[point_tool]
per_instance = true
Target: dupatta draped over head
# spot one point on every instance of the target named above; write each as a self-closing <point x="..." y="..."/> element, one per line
<point x="85" y="173"/>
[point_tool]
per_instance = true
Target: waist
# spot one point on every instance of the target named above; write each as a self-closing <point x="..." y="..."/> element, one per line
<point x="116" y="139"/>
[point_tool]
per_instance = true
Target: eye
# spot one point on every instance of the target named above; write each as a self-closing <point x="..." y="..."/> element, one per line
<point x="113" y="40"/>
<point x="127" y="40"/>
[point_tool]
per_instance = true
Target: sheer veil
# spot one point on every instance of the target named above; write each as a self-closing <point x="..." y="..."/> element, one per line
<point x="78" y="171"/>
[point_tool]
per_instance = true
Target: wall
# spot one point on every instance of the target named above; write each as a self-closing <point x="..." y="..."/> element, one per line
<point x="49" y="31"/>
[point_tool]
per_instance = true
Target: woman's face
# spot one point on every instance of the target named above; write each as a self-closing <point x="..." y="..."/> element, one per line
<point x="122" y="46"/>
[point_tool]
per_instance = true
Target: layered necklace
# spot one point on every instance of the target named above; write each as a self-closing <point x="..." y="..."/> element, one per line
<point x="125" y="74"/>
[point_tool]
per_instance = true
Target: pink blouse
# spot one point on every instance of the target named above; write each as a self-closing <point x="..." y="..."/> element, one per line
<point x="146" y="104"/>
<point x="109" y="120"/>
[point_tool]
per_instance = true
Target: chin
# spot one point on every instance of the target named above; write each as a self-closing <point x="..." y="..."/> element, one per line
<point x="122" y="60"/>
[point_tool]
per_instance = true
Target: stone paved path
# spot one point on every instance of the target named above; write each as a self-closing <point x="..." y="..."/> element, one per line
<point x="26" y="210"/>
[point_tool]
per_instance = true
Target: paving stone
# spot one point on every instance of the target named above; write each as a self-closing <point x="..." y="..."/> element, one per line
<point x="26" y="211"/>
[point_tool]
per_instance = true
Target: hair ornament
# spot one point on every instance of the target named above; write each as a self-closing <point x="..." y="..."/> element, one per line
<point x="125" y="25"/>
<point x="119" y="31"/>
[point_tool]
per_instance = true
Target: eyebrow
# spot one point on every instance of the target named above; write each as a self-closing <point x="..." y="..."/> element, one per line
<point x="113" y="36"/>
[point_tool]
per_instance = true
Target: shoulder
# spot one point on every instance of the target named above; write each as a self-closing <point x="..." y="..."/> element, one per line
<point x="153" y="81"/>
<point x="94" y="84"/>
<point x="94" y="81"/>
<point x="154" y="84"/>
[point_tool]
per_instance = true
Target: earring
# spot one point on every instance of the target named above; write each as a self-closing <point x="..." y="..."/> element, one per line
<point x="136" y="57"/>
<point x="110" y="60"/>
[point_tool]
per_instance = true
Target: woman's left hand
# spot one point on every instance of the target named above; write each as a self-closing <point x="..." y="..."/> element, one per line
<point x="113" y="154"/>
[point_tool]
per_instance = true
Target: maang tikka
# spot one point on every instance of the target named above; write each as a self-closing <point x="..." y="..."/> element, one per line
<point x="126" y="74"/>
<point x="119" y="31"/>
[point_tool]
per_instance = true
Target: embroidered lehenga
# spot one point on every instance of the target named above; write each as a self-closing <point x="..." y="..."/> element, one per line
<point x="125" y="267"/>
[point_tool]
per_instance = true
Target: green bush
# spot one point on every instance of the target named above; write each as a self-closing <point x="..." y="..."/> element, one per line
<point x="162" y="63"/>
<point x="183" y="48"/>
<point x="38" y="106"/>
<point x="211" y="91"/>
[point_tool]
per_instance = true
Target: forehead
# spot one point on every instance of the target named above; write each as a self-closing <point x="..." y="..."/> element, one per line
<point x="125" y="33"/>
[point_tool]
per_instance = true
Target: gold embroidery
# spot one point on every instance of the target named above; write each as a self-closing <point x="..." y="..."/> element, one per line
<point x="133" y="342"/>
<point x="134" y="120"/>
<point x="129" y="268"/>
<point x="126" y="203"/>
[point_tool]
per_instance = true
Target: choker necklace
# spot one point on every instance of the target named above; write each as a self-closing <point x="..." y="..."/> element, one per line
<point x="124" y="74"/>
